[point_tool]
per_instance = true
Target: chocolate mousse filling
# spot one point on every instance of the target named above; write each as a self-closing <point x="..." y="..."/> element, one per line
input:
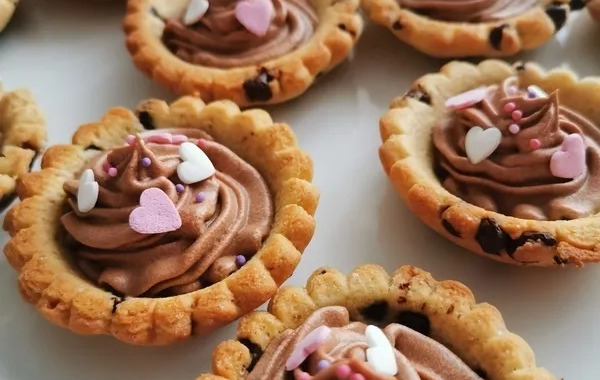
<point x="469" y="10"/>
<point x="224" y="219"/>
<point x="219" y="40"/>
<point x="517" y="178"/>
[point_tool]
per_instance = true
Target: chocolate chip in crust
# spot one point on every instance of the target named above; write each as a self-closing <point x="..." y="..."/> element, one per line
<point x="258" y="89"/>
<point x="560" y="261"/>
<point x="419" y="95"/>
<point x="496" y="35"/>
<point x="375" y="312"/>
<point x="146" y="119"/>
<point x="481" y="373"/>
<point x="491" y="237"/>
<point x="255" y="352"/>
<point x="577" y="4"/>
<point x="450" y="228"/>
<point x="539" y="237"/>
<point x="416" y="321"/>
<point x="558" y="14"/>
<point x="397" y="25"/>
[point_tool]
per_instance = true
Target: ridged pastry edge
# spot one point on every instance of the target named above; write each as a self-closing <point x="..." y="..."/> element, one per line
<point x="48" y="281"/>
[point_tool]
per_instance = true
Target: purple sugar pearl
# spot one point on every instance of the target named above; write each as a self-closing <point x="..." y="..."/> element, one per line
<point x="179" y="187"/>
<point x="200" y="197"/>
<point x="240" y="260"/>
<point x="146" y="162"/>
<point x="323" y="364"/>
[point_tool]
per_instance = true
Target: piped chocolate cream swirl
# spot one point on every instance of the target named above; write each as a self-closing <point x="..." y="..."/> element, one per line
<point x="219" y="40"/>
<point x="469" y="10"/>
<point x="417" y="357"/>
<point x="516" y="179"/>
<point x="231" y="217"/>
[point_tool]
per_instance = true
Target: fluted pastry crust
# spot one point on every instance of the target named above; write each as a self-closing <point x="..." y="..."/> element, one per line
<point x="275" y="81"/>
<point x="408" y="160"/>
<point x="461" y="39"/>
<point x="23" y="134"/>
<point x="63" y="296"/>
<point x="446" y="311"/>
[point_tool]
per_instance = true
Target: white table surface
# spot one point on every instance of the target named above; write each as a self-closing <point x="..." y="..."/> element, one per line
<point x="71" y="55"/>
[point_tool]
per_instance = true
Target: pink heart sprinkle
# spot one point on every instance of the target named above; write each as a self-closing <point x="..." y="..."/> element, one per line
<point x="466" y="99"/>
<point x="178" y="139"/>
<point x="156" y="214"/>
<point x="160" y="138"/>
<point x="307" y="346"/>
<point x="255" y="15"/>
<point x="569" y="161"/>
<point x="343" y="371"/>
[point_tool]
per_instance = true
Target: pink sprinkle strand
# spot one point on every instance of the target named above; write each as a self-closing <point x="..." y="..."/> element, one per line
<point x="509" y="107"/>
<point x="343" y="371"/>
<point x="514" y="129"/>
<point x="130" y="139"/>
<point x="517" y="115"/>
<point x="113" y="172"/>
<point x="535" y="144"/>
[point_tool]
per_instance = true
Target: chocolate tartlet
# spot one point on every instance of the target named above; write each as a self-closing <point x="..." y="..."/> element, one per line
<point x="154" y="234"/>
<point x="501" y="160"/>
<point x="248" y="51"/>
<point x="449" y="28"/>
<point x="370" y="325"/>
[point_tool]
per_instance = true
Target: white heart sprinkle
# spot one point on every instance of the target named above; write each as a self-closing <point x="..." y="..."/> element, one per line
<point x="194" y="12"/>
<point x="480" y="144"/>
<point x="380" y="354"/>
<point x="196" y="165"/>
<point x="87" y="194"/>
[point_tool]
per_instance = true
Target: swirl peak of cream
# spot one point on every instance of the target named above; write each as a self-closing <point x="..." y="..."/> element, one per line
<point x="222" y="217"/>
<point x="516" y="179"/>
<point x="219" y="40"/>
<point x="469" y="10"/>
<point x="417" y="356"/>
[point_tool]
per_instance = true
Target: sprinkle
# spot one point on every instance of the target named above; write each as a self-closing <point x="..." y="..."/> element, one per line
<point x="130" y="139"/>
<point x="179" y="187"/>
<point x="113" y="172"/>
<point x="535" y="143"/>
<point x="200" y="197"/>
<point x="466" y="99"/>
<point x="301" y="375"/>
<point x="240" y="260"/>
<point x="509" y="107"/>
<point x="323" y="364"/>
<point x="356" y="376"/>
<point x="514" y="129"/>
<point x="512" y="90"/>
<point x="105" y="166"/>
<point x="201" y="143"/>
<point x="536" y="92"/>
<point x="517" y="115"/>
<point x="146" y="162"/>
<point x="343" y="371"/>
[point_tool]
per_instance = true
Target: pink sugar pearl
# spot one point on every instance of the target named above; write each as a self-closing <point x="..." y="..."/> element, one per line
<point x="509" y="107"/>
<point x="517" y="115"/>
<point x="113" y="172"/>
<point x="356" y="376"/>
<point x="105" y="166"/>
<point x="514" y="129"/>
<point x="535" y="143"/>
<point x="343" y="371"/>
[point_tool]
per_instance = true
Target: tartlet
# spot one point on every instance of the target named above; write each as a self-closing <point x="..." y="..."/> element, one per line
<point x="594" y="7"/>
<point x="23" y="134"/>
<point x="467" y="28"/>
<point x="437" y="328"/>
<point x="7" y="8"/>
<point x="149" y="275"/>
<point x="517" y="202"/>
<point x="208" y="52"/>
